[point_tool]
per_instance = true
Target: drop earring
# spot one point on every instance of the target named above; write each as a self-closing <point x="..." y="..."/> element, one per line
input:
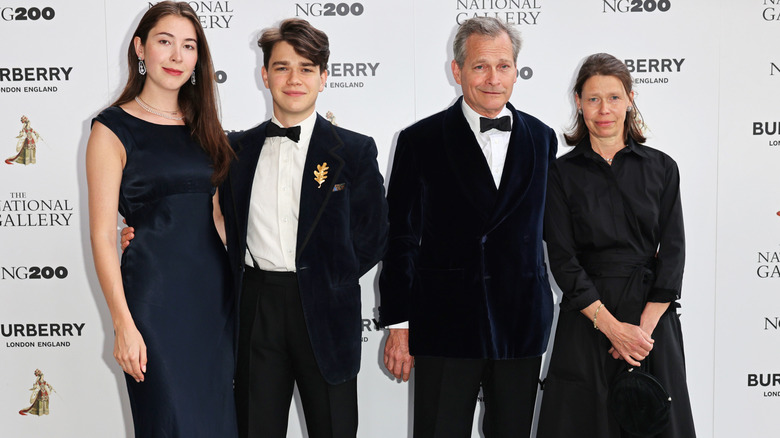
<point x="141" y="67"/>
<point x="192" y="78"/>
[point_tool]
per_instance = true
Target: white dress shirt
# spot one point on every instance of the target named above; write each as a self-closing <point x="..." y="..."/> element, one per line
<point x="272" y="231"/>
<point x="494" y="145"/>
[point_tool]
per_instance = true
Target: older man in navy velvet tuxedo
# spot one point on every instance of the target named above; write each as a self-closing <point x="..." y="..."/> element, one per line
<point x="465" y="263"/>
<point x="306" y="217"/>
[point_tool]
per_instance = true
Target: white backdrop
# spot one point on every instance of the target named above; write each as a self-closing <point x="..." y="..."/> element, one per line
<point x="707" y="77"/>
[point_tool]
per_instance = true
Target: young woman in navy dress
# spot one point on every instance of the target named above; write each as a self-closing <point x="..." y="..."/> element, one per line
<point x="156" y="156"/>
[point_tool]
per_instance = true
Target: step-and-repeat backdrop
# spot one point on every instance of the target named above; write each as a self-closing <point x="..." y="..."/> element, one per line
<point x="707" y="77"/>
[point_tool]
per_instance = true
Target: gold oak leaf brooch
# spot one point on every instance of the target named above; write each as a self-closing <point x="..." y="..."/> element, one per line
<point x="321" y="174"/>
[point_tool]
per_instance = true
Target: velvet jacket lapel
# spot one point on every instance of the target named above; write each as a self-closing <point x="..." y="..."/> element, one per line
<point x="323" y="148"/>
<point x="470" y="170"/>
<point x="518" y="170"/>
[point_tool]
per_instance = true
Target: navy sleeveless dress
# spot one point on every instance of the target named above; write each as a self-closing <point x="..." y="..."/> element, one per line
<point x="175" y="276"/>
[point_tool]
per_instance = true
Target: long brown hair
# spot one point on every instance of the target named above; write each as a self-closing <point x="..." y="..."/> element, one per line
<point x="604" y="64"/>
<point x="199" y="101"/>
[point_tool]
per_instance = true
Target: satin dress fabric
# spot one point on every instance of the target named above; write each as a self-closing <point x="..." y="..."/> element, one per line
<point x="176" y="280"/>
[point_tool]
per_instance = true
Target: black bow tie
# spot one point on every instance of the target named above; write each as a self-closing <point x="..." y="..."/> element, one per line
<point x="274" y="130"/>
<point x="501" y="123"/>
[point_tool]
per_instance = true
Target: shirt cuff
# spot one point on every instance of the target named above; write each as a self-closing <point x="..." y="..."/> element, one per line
<point x="581" y="301"/>
<point x="400" y="325"/>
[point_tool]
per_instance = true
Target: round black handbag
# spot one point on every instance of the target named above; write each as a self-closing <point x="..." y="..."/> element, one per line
<point x="639" y="402"/>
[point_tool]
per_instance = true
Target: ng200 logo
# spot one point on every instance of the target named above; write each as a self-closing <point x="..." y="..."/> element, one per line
<point x="328" y="9"/>
<point x="636" y="5"/>
<point x="33" y="273"/>
<point x="24" y="14"/>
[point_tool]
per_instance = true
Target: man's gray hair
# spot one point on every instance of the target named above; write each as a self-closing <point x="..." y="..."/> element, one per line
<point x="487" y="26"/>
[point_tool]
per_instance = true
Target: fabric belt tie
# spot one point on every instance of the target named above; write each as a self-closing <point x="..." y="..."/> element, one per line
<point x="628" y="303"/>
<point x="615" y="265"/>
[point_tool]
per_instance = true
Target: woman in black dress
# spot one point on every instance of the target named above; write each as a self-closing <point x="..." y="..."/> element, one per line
<point x="614" y="232"/>
<point x="157" y="155"/>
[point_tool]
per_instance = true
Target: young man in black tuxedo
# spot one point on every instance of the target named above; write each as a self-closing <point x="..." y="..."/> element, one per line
<point x="306" y="217"/>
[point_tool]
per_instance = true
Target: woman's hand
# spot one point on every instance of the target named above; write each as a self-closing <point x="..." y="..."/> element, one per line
<point x="629" y="342"/>
<point x="650" y="317"/>
<point x="130" y="351"/>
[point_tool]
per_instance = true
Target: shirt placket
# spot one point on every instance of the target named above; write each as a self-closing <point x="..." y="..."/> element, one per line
<point x="287" y="225"/>
<point x="495" y="169"/>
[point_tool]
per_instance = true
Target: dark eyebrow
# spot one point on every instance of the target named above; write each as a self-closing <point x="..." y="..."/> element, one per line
<point x="168" y="34"/>
<point x="287" y="63"/>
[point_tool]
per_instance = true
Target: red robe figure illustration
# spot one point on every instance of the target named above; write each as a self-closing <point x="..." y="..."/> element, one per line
<point x="25" y="147"/>
<point x="39" y="398"/>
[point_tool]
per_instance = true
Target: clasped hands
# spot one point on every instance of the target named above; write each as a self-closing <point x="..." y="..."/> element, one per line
<point x="630" y="342"/>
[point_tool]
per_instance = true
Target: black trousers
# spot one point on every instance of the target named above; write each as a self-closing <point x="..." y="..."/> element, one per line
<point x="274" y="353"/>
<point x="445" y="395"/>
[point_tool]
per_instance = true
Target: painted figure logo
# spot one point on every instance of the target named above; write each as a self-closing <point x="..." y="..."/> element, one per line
<point x="39" y="399"/>
<point x="25" y="146"/>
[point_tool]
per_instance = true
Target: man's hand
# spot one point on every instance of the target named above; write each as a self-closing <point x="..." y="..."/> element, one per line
<point x="397" y="358"/>
<point x="127" y="235"/>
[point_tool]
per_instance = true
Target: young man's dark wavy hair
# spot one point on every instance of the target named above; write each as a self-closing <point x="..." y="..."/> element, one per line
<point x="307" y="41"/>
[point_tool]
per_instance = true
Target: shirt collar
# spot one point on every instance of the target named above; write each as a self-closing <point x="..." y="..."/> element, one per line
<point x="584" y="148"/>
<point x="472" y="117"/>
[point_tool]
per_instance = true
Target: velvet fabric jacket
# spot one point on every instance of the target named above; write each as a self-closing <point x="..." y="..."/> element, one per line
<point x="465" y="262"/>
<point x="342" y="233"/>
